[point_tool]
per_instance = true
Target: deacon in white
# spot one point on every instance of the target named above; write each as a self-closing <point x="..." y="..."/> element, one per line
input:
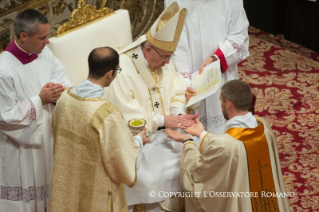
<point x="150" y="88"/>
<point x="228" y="162"/>
<point x="31" y="78"/>
<point x="213" y="29"/>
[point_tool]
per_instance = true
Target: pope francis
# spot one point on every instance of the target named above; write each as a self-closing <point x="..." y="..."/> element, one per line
<point x="151" y="89"/>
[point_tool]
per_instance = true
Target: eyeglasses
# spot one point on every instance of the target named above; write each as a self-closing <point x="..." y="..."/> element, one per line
<point x="164" y="58"/>
<point x="119" y="69"/>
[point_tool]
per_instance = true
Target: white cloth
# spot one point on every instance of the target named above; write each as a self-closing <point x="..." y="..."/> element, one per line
<point x="135" y="93"/>
<point x="215" y="169"/>
<point x="87" y="89"/>
<point x="25" y="131"/>
<point x="212" y="25"/>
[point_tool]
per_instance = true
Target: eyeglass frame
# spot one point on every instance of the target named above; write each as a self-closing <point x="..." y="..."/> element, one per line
<point x="119" y="69"/>
<point x="162" y="56"/>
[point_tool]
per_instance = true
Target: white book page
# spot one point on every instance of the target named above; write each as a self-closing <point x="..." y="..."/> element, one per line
<point x="206" y="83"/>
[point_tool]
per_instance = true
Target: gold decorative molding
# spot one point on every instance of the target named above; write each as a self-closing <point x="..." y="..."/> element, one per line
<point x="82" y="16"/>
<point x="11" y="6"/>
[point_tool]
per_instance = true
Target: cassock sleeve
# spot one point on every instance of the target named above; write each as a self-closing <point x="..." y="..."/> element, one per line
<point x="234" y="49"/>
<point x="118" y="150"/>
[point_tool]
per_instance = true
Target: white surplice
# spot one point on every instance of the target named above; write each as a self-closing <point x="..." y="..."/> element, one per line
<point x="212" y="27"/>
<point x="26" y="154"/>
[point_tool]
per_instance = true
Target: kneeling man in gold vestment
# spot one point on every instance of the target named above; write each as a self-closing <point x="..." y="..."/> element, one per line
<point x="238" y="170"/>
<point x="95" y="153"/>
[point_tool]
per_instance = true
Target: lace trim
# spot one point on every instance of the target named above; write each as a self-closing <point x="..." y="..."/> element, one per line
<point x="241" y="51"/>
<point x="186" y="75"/>
<point x="212" y="121"/>
<point x="25" y="195"/>
<point x="26" y="133"/>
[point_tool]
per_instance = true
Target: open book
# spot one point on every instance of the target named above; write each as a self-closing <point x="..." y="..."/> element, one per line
<point x="205" y="84"/>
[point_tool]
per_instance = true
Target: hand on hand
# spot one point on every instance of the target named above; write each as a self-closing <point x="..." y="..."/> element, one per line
<point x="50" y="92"/>
<point x="206" y="62"/>
<point x="190" y="90"/>
<point x="179" y="137"/>
<point x="182" y="121"/>
<point x="195" y="129"/>
<point x="143" y="136"/>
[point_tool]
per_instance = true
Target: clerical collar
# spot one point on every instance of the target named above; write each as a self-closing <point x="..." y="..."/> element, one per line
<point x="23" y="56"/>
<point x="20" y="47"/>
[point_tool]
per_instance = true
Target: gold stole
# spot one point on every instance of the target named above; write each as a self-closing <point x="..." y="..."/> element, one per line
<point x="259" y="167"/>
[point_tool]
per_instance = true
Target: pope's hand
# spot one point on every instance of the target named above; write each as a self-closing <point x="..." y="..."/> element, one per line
<point x="176" y="135"/>
<point x="143" y="136"/>
<point x="195" y="129"/>
<point x="178" y="121"/>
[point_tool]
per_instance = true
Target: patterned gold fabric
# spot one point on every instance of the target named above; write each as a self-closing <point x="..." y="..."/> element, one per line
<point x="94" y="155"/>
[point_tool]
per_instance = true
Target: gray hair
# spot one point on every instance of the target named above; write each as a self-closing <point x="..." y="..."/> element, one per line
<point x="238" y="92"/>
<point x="27" y="22"/>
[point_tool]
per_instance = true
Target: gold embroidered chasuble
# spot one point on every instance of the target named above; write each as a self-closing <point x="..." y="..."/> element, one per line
<point x="94" y="156"/>
<point x="219" y="170"/>
<point x="138" y="91"/>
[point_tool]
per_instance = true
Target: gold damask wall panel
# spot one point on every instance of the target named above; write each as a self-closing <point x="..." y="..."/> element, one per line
<point x="142" y="13"/>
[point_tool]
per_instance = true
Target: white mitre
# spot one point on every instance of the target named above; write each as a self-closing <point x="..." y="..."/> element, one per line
<point x="166" y="30"/>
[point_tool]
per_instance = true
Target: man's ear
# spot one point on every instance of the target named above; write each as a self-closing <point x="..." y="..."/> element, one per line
<point x="229" y="104"/>
<point x="147" y="50"/>
<point x="23" y="36"/>
<point x="108" y="75"/>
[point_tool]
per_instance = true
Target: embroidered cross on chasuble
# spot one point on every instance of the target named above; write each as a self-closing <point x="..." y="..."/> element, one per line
<point x="259" y="167"/>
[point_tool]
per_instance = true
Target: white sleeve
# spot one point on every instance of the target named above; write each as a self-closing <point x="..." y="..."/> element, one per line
<point x="18" y="119"/>
<point x="235" y="47"/>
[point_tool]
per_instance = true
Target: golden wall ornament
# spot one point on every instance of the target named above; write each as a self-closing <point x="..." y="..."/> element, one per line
<point x="82" y="16"/>
<point x="142" y="13"/>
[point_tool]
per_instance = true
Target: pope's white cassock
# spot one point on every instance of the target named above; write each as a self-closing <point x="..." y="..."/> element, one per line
<point x="219" y="165"/>
<point x="212" y="28"/>
<point x="25" y="128"/>
<point x="140" y="92"/>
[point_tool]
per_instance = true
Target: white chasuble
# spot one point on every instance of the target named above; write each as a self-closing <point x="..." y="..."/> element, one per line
<point x="137" y="95"/>
<point x="25" y="131"/>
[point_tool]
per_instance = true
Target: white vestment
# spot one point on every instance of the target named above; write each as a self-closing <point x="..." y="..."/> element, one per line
<point x="25" y="131"/>
<point x="221" y="166"/>
<point x="137" y="95"/>
<point x="212" y="28"/>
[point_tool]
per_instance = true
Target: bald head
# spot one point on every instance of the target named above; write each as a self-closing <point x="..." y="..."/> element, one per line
<point x="102" y="60"/>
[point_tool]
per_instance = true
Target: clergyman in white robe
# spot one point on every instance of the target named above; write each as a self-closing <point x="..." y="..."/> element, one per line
<point x="216" y="28"/>
<point x="26" y="143"/>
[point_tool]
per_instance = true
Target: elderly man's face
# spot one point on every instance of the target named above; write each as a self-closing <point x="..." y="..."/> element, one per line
<point x="157" y="58"/>
<point x="36" y="43"/>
